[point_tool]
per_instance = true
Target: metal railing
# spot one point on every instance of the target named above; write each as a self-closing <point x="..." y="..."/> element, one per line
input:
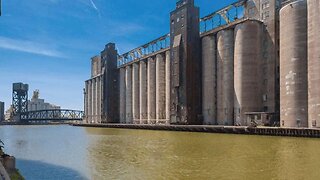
<point x="152" y="47"/>
<point x="224" y="16"/>
<point x="285" y="2"/>
<point x="214" y="20"/>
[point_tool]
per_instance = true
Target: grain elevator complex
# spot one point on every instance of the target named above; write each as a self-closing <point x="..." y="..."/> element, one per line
<point x="252" y="62"/>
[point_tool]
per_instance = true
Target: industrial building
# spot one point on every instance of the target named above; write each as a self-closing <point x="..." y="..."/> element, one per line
<point x="2" y="116"/>
<point x="252" y="62"/>
<point x="37" y="104"/>
<point x="9" y="113"/>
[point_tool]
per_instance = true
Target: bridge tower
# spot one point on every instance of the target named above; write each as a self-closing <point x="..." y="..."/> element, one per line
<point x="19" y="100"/>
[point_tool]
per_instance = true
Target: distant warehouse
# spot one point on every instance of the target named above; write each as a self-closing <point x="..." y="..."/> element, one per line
<point x="37" y="104"/>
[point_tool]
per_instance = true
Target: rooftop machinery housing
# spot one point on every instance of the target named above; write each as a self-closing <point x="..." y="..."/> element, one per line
<point x="243" y="64"/>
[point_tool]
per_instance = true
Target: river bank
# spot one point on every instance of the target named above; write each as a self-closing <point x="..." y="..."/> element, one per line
<point x="8" y="169"/>
<point x="269" y="131"/>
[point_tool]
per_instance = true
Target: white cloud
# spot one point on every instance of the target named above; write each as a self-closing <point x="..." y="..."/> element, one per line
<point x="95" y="7"/>
<point x="28" y="47"/>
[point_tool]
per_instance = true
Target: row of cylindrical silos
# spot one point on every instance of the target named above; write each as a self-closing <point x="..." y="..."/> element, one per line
<point x="231" y="79"/>
<point x="300" y="64"/>
<point x="93" y="99"/>
<point x="314" y="62"/>
<point x="145" y="91"/>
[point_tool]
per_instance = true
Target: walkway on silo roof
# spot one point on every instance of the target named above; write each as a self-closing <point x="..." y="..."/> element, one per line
<point x="229" y="15"/>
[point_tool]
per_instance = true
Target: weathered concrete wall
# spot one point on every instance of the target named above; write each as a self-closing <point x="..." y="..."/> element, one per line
<point x="293" y="65"/>
<point x="110" y="84"/>
<point x="136" y="93"/>
<point x="263" y="131"/>
<point x="122" y="95"/>
<point x="314" y="63"/>
<point x="247" y="77"/>
<point x="3" y="172"/>
<point x="225" y="77"/>
<point x="129" y="116"/>
<point x="91" y="110"/>
<point x="186" y="84"/>
<point x="143" y="93"/>
<point x="151" y="90"/>
<point x="266" y="11"/>
<point x="99" y="99"/>
<point x="86" y="102"/>
<point x="209" y="80"/>
<point x="95" y="66"/>
<point x="168" y="85"/>
<point x="94" y="100"/>
<point x="160" y="88"/>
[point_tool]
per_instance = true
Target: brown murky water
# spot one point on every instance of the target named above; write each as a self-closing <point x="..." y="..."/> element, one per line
<point x="127" y="154"/>
<point x="89" y="153"/>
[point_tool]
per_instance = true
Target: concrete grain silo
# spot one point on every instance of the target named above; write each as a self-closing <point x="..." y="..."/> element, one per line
<point x="225" y="77"/>
<point x="247" y="77"/>
<point x="293" y="65"/>
<point x="129" y="116"/>
<point x="314" y="62"/>
<point x="135" y="93"/>
<point x="160" y="87"/>
<point x="143" y="93"/>
<point x="168" y="87"/>
<point x="151" y="74"/>
<point x="122" y="95"/>
<point x="209" y="79"/>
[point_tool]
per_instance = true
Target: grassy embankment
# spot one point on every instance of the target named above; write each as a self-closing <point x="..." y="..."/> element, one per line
<point x="16" y="175"/>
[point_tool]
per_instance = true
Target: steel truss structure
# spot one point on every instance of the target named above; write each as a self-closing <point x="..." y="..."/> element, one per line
<point x="53" y="115"/>
<point x="224" y="16"/>
<point x="20" y="98"/>
<point x="154" y="46"/>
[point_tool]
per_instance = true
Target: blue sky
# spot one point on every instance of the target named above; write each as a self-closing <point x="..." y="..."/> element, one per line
<point x="48" y="43"/>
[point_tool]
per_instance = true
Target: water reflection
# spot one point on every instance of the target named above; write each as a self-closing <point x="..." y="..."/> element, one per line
<point x="62" y="148"/>
<point x="38" y="170"/>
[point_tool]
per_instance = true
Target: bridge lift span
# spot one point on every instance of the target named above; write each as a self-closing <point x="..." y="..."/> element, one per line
<point x="52" y="115"/>
<point x="21" y="114"/>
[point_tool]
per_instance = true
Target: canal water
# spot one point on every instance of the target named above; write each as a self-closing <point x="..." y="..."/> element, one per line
<point x="70" y="153"/>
